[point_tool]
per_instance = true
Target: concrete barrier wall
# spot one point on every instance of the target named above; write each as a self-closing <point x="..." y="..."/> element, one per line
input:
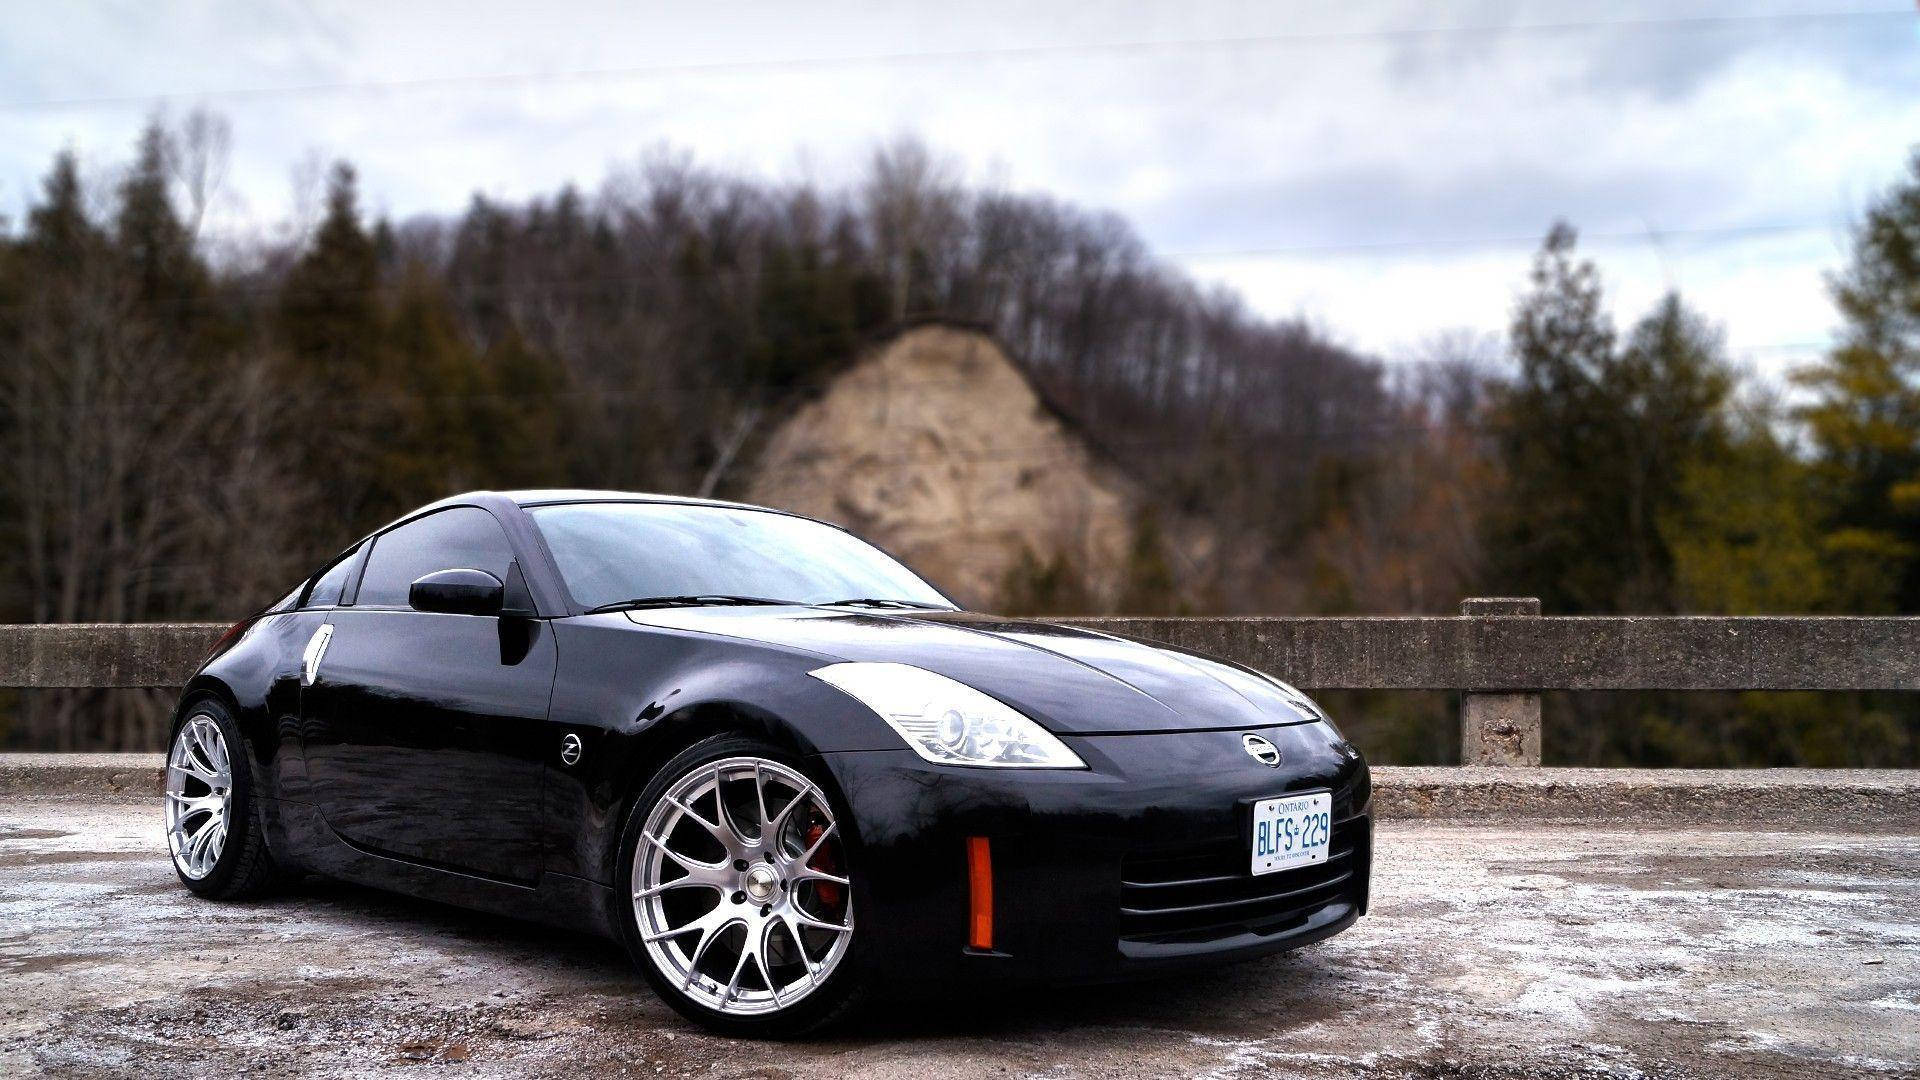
<point x="103" y="655"/>
<point x="1499" y="654"/>
<point x="1399" y="652"/>
<point x="1516" y="653"/>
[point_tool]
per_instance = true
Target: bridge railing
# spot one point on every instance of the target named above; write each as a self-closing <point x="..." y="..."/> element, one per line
<point x="1499" y="654"/>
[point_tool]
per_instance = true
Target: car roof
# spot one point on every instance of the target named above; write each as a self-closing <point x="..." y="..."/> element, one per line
<point x="548" y="496"/>
<point x="554" y="496"/>
<point x="551" y="496"/>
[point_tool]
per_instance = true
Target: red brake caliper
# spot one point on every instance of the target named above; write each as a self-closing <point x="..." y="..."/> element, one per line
<point x="827" y="891"/>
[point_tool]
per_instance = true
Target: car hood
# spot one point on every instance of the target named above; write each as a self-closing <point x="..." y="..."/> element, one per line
<point x="1073" y="681"/>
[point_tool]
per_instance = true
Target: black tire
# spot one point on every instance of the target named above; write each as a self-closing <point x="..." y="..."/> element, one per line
<point x="830" y="1003"/>
<point x="245" y="869"/>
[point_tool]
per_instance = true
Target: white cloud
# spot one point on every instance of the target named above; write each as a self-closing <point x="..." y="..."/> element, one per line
<point x="1265" y="145"/>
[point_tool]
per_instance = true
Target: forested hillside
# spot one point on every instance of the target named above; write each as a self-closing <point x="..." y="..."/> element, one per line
<point x="185" y="433"/>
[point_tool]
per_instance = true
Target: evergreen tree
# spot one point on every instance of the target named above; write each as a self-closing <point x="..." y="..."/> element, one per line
<point x="60" y="238"/>
<point x="330" y="305"/>
<point x="43" y="283"/>
<point x="431" y="389"/>
<point x="525" y="415"/>
<point x="156" y="244"/>
<point x="1865" y="417"/>
<point x="483" y="247"/>
<point x="1667" y="393"/>
<point x="1595" y="441"/>
<point x="331" y="323"/>
<point x="811" y="316"/>
<point x="1549" y="424"/>
<point x="1745" y="534"/>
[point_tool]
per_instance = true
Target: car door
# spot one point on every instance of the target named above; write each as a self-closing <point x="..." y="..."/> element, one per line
<point x="424" y="729"/>
<point x="310" y="626"/>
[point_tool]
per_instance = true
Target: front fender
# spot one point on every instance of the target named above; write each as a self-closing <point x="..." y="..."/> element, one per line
<point x="636" y="696"/>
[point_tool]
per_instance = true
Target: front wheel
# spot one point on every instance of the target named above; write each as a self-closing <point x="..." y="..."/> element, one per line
<point x="742" y="893"/>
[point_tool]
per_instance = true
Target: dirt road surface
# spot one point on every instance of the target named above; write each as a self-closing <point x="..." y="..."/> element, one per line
<point x="1492" y="951"/>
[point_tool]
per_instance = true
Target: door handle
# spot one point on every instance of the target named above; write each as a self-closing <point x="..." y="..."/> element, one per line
<point x="316" y="648"/>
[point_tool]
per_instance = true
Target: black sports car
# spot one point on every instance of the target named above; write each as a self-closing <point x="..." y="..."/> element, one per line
<point x="779" y="767"/>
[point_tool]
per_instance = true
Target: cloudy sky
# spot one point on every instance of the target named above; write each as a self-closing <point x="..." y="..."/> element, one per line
<point x="1382" y="168"/>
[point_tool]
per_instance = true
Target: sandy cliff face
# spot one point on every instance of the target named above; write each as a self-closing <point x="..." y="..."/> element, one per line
<point x="936" y="447"/>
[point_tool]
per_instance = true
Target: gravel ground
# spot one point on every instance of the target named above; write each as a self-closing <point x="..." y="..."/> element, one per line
<point x="1492" y="951"/>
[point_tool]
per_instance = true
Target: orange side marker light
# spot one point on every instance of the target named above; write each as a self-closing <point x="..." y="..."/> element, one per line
<point x="980" y="882"/>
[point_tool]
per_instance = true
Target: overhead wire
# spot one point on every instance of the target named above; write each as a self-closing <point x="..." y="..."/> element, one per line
<point x="1062" y="50"/>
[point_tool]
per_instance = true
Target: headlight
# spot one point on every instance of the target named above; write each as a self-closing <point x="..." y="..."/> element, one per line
<point x="948" y="722"/>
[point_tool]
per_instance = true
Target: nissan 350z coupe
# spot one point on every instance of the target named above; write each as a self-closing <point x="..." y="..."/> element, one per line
<point x="780" y="768"/>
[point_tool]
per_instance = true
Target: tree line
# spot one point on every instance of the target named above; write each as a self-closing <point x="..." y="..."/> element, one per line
<point x="185" y="434"/>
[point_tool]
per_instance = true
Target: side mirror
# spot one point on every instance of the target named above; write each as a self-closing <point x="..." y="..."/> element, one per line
<point x="458" y="592"/>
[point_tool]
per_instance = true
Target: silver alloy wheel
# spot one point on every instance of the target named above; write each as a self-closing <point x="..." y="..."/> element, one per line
<point x="758" y="840"/>
<point x="199" y="796"/>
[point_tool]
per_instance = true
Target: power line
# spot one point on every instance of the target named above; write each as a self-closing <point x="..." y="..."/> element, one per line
<point x="1012" y="53"/>
<point x="1648" y="235"/>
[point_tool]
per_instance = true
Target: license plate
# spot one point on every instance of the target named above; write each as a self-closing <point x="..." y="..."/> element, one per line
<point x="1291" y="831"/>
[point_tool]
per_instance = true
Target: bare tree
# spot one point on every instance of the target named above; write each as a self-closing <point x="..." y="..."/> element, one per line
<point x="200" y="152"/>
<point x="914" y="206"/>
<point x="141" y="484"/>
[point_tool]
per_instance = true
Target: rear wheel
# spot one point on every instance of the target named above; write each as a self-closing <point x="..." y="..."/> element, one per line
<point x="741" y="911"/>
<point x="213" y="832"/>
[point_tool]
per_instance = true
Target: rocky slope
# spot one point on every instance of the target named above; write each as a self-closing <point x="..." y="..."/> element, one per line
<point x="937" y="447"/>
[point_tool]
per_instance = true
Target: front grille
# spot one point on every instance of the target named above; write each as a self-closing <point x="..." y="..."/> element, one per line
<point x="1207" y="895"/>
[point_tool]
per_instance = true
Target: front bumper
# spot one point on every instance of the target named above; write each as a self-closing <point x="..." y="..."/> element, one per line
<point x="1131" y="867"/>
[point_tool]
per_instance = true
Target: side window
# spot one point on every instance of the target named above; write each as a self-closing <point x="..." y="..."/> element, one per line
<point x="331" y="582"/>
<point x="465" y="537"/>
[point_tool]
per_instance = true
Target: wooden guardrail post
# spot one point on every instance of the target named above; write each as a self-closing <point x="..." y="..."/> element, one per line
<point x="1499" y="728"/>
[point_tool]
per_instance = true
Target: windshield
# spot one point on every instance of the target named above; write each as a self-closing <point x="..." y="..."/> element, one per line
<point x="614" y="552"/>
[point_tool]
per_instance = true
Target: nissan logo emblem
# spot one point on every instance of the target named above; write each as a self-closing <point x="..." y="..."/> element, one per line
<point x="570" y="750"/>
<point x="1261" y="750"/>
